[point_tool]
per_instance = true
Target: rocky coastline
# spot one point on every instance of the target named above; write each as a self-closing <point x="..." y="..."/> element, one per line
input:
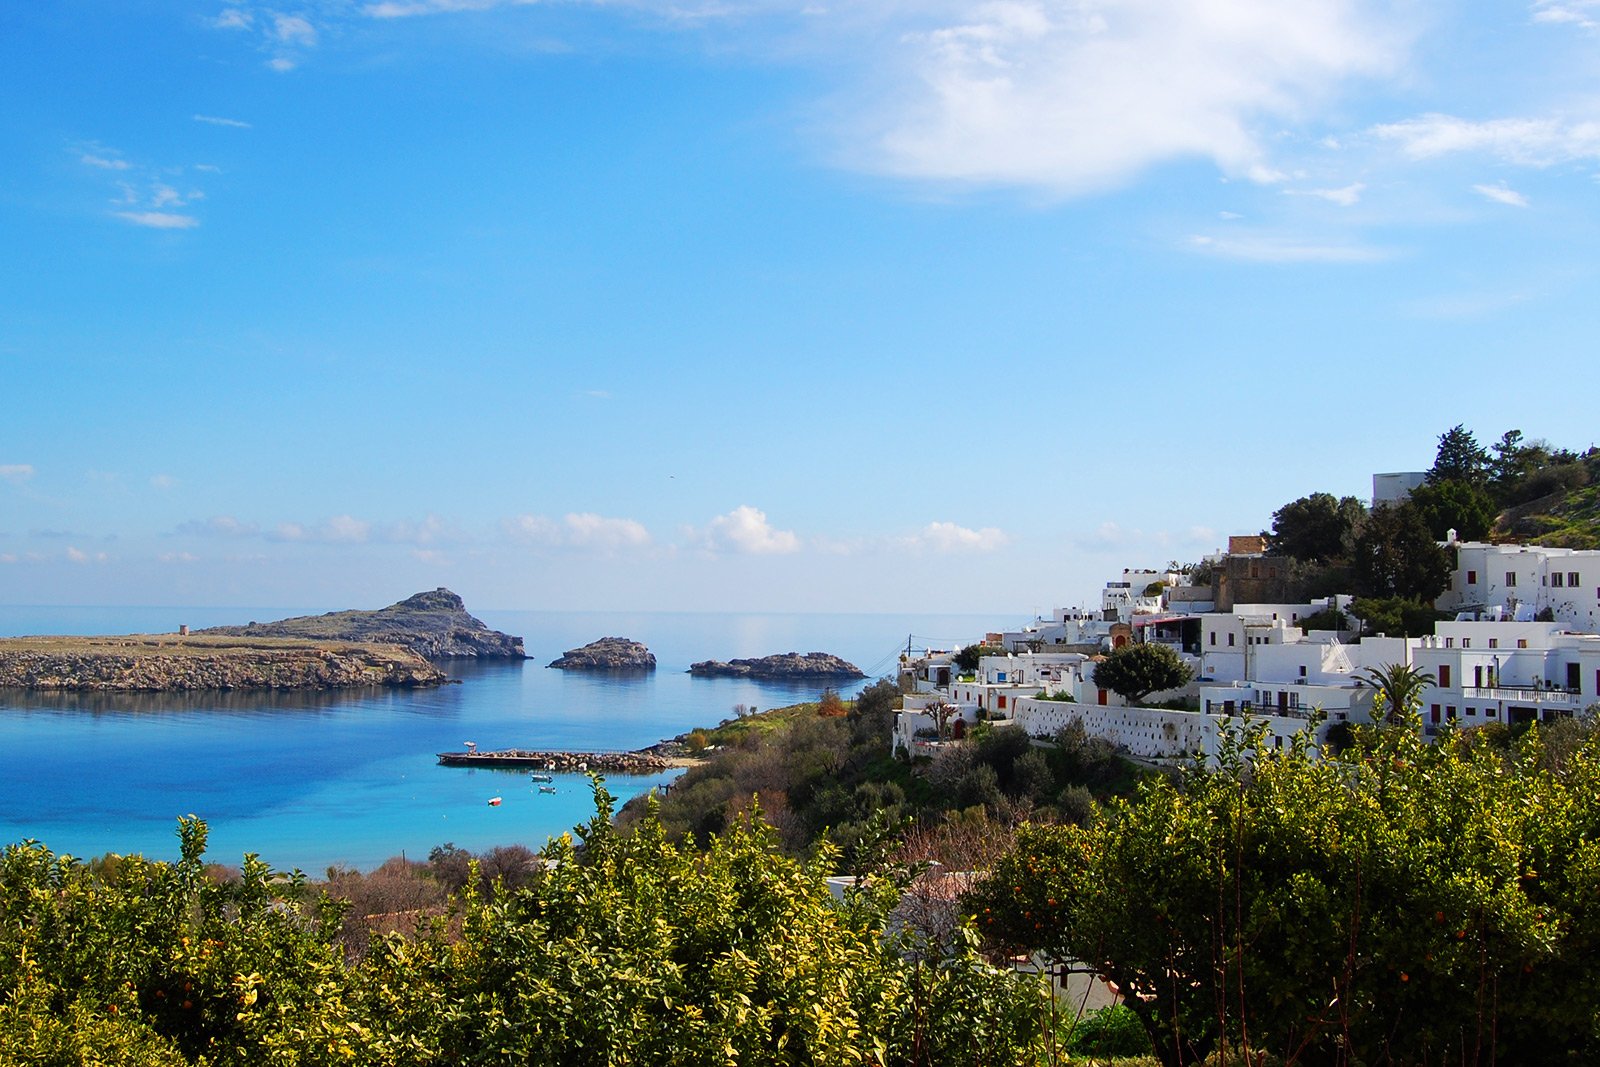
<point x="178" y="663"/>
<point x="433" y="624"/>
<point x="560" y="762"/>
<point x="607" y="654"/>
<point x="785" y="666"/>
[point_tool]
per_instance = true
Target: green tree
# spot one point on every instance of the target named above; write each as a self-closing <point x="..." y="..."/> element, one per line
<point x="1133" y="672"/>
<point x="1319" y="527"/>
<point x="1400" y="686"/>
<point x="1407" y="903"/>
<point x="1396" y="555"/>
<point x="1451" y="504"/>
<point x="968" y="656"/>
<point x="1396" y="616"/>
<point x="1459" y="458"/>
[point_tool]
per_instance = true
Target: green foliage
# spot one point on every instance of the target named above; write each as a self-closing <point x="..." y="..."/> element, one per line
<point x="1460" y="458"/>
<point x="1109" y="1031"/>
<point x="1451" y="504"/>
<point x="621" y="949"/>
<point x="1395" y="616"/>
<point x="1404" y="903"/>
<point x="1327" y="619"/>
<point x="1135" y="671"/>
<point x="966" y="659"/>
<point x="1317" y="528"/>
<point x="1397" y="556"/>
<point x="1400" y="687"/>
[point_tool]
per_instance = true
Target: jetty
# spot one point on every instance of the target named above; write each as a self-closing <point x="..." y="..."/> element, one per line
<point x="605" y="762"/>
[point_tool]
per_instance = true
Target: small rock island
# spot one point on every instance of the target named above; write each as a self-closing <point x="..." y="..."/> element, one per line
<point x="785" y="666"/>
<point x="435" y="625"/>
<point x="607" y="654"/>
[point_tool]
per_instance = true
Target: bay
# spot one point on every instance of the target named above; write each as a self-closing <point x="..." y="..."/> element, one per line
<point x="309" y="780"/>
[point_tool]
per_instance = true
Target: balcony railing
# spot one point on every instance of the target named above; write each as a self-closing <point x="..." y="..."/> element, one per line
<point x="1521" y="696"/>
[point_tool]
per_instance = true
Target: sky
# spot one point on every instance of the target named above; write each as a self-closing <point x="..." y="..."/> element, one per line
<point x="762" y="305"/>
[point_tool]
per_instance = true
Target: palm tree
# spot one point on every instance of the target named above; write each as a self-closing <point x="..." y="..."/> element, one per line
<point x="1401" y="686"/>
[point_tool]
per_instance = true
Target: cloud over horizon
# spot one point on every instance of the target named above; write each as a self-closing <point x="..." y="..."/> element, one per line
<point x="745" y="529"/>
<point x="579" y="530"/>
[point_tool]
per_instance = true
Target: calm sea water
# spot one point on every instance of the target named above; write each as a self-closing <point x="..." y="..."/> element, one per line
<point x="313" y="779"/>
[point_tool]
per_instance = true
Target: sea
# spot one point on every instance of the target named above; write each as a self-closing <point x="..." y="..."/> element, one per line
<point x="313" y="780"/>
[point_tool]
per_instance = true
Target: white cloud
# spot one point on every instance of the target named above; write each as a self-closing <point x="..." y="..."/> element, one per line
<point x="1344" y="196"/>
<point x="217" y="120"/>
<point x="1534" y="142"/>
<point x="1501" y="193"/>
<point x="178" y="557"/>
<point x="8" y="557"/>
<point x="394" y="9"/>
<point x="1271" y="248"/>
<point x="219" y="526"/>
<point x="234" y="18"/>
<point x="281" y="64"/>
<point x="163" y="481"/>
<point x="1077" y="98"/>
<point x="745" y="529"/>
<point x="16" y="473"/>
<point x="77" y="555"/>
<point x="584" y="531"/>
<point x="103" y="162"/>
<point x="950" y="537"/>
<point x="158" y="220"/>
<point x="293" y="29"/>
<point x="1572" y="12"/>
<point x="339" y="530"/>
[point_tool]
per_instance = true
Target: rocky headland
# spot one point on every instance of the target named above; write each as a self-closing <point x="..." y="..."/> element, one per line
<point x="785" y="666"/>
<point x="434" y="624"/>
<point x="607" y="654"/>
<point x="178" y="663"/>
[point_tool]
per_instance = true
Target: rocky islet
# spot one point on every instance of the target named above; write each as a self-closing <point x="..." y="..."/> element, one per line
<point x="607" y="654"/>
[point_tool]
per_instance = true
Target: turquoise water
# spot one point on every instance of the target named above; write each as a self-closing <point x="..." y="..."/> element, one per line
<point x="312" y="779"/>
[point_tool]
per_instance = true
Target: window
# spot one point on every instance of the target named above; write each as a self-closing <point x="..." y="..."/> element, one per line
<point x="1494" y="642"/>
<point x="1555" y="579"/>
<point x="1466" y="642"/>
<point x="1472" y="577"/>
<point x="1511" y="578"/>
<point x="1302" y="670"/>
<point x="1230" y="640"/>
<point x="1450" y="711"/>
<point x="1213" y="637"/>
<point x="1522" y="642"/>
<point x="1572" y="578"/>
<point x="1449" y="642"/>
<point x="1444" y="676"/>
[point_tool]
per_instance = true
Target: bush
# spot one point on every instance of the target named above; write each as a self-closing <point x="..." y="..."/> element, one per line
<point x="1110" y="1031"/>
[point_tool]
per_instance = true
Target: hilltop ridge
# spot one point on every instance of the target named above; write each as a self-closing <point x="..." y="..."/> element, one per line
<point x="433" y="623"/>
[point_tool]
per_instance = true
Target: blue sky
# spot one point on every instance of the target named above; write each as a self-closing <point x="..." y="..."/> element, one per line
<point x="756" y="304"/>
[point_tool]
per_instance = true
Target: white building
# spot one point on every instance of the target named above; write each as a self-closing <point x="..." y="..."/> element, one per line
<point x="1508" y="672"/>
<point x="1395" y="487"/>
<point x="1524" y="581"/>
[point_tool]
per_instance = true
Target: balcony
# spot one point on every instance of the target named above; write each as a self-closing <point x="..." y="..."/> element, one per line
<point x="1550" y="697"/>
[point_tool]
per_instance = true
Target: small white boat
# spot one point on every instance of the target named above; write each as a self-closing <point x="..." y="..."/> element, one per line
<point x="542" y="778"/>
<point x="547" y="789"/>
